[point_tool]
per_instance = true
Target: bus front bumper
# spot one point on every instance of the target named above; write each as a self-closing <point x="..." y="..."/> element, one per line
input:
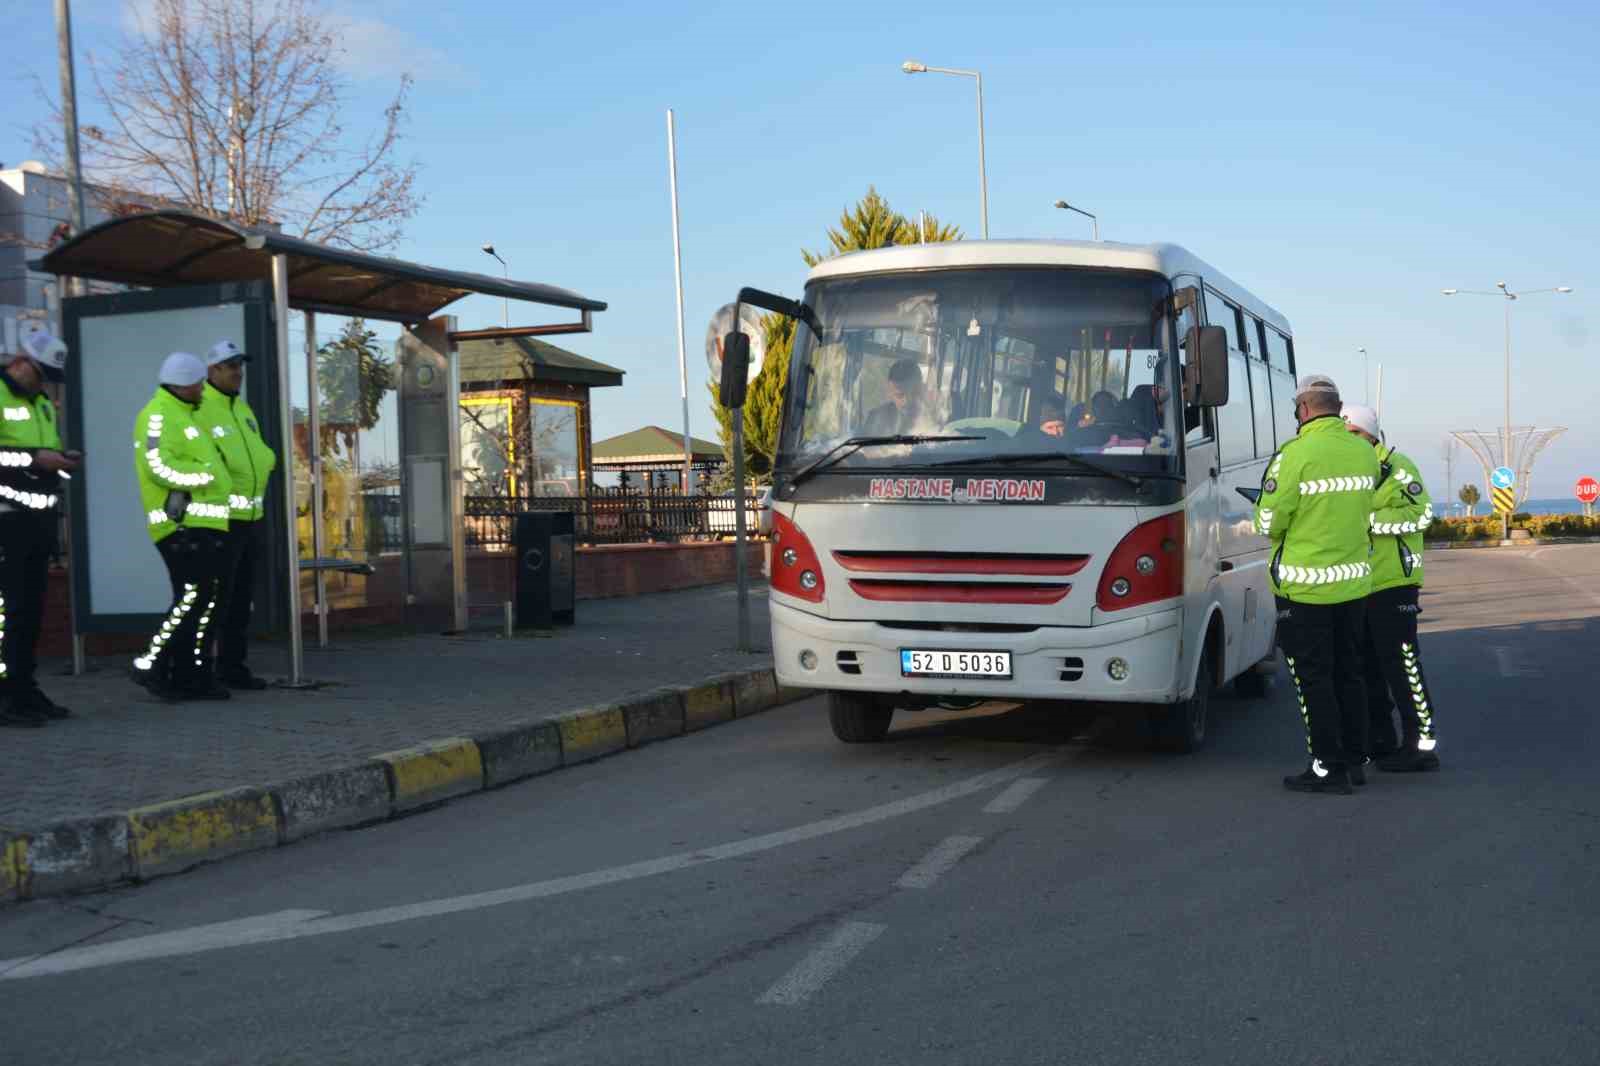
<point x="1051" y="662"/>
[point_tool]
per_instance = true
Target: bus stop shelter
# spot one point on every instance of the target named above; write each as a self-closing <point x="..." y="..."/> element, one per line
<point x="197" y="279"/>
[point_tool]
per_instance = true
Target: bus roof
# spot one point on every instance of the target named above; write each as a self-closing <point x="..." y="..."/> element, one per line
<point x="1166" y="259"/>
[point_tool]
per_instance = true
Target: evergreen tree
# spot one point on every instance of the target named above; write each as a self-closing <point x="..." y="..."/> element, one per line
<point x="871" y="223"/>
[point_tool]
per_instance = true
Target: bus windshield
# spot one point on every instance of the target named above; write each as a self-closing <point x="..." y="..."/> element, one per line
<point x="1034" y="363"/>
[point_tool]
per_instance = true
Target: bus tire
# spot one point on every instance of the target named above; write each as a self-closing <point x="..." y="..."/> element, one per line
<point x="1181" y="727"/>
<point x="858" y="717"/>
<point x="1250" y="685"/>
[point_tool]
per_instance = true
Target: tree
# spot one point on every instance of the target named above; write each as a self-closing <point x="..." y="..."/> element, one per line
<point x="353" y="376"/>
<point x="236" y="109"/>
<point x="871" y="223"/>
<point x="1470" y="496"/>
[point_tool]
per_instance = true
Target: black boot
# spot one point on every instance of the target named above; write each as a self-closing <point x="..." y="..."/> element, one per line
<point x="1410" y="759"/>
<point x="1358" y="772"/>
<point x="240" y="677"/>
<point x="35" y="700"/>
<point x="1318" y="778"/>
<point x="18" y="716"/>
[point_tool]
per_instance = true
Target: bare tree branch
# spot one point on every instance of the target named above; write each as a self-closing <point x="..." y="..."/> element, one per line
<point x="234" y="108"/>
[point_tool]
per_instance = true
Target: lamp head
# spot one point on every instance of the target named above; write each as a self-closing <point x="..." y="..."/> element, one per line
<point x="911" y="66"/>
<point x="1449" y="292"/>
<point x="1563" y="288"/>
<point x="488" y="249"/>
<point x="1062" y="204"/>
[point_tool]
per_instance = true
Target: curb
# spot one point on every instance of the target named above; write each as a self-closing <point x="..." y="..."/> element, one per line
<point x="1470" y="545"/>
<point x="89" y="854"/>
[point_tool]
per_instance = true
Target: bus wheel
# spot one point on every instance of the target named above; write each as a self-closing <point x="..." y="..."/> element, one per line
<point x="1181" y="727"/>
<point x="1250" y="685"/>
<point x="858" y="717"/>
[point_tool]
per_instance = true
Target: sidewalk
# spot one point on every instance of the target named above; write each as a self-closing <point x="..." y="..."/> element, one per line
<point x="122" y="750"/>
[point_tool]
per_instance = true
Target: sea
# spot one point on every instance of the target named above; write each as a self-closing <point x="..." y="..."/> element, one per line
<point x="1552" y="506"/>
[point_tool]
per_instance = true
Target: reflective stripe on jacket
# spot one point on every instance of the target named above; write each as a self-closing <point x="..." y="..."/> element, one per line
<point x="182" y="479"/>
<point x="1316" y="508"/>
<point x="1401" y="510"/>
<point x="27" y="425"/>
<point x="236" y="434"/>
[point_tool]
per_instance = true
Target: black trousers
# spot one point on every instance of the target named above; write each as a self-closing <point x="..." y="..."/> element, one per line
<point x="178" y="652"/>
<point x="241" y="553"/>
<point x="1394" y="669"/>
<point x="1322" y="643"/>
<point x="26" y="540"/>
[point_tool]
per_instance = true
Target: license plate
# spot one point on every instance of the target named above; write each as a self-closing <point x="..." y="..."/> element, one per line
<point x="915" y="662"/>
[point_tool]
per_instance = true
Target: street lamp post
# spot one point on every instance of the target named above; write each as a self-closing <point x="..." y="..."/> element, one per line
<point x="1094" y="223"/>
<point x="505" y="311"/>
<point x="1502" y="291"/>
<point x="911" y="66"/>
<point x="1366" y="387"/>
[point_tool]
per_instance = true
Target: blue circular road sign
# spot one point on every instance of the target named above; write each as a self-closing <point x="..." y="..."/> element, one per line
<point x="1502" y="478"/>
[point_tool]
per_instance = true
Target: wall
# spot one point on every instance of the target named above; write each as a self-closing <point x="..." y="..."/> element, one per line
<point x="604" y="572"/>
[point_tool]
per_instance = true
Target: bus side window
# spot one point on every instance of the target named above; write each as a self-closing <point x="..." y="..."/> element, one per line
<point x="1235" y="423"/>
<point x="1283" y="406"/>
<point x="1220" y="312"/>
<point x="1277" y="349"/>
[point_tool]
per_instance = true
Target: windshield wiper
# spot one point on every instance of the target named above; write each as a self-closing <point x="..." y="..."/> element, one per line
<point x="846" y="448"/>
<point x="1033" y="457"/>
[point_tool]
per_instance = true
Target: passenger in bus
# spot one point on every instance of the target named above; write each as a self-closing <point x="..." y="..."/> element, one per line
<point x="1053" y="416"/>
<point x="904" y="409"/>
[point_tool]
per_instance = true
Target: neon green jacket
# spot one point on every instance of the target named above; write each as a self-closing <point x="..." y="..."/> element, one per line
<point x="1316" y="508"/>
<point x="182" y="480"/>
<point x="27" y="425"/>
<point x="237" y="437"/>
<point x="1401" y="510"/>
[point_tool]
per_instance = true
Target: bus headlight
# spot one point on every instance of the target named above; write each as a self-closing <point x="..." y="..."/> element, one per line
<point x="790" y="557"/>
<point x="808" y="659"/>
<point x="808" y="580"/>
<point x="1145" y="564"/>
<point x="1117" y="669"/>
<point x="1120" y="587"/>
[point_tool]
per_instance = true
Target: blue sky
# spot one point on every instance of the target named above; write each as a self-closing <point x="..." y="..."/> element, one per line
<point x="1345" y="161"/>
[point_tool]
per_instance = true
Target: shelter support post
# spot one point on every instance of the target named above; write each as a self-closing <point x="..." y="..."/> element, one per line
<point x="314" y="454"/>
<point x="280" y="326"/>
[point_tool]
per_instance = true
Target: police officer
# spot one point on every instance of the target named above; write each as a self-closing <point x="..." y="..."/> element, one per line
<point x="236" y="433"/>
<point x="1401" y="511"/>
<point x="32" y="463"/>
<point x="1315" y="507"/>
<point x="184" y="488"/>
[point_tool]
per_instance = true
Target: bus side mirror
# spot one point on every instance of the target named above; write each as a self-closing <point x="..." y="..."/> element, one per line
<point x="1205" y="375"/>
<point x="735" y="369"/>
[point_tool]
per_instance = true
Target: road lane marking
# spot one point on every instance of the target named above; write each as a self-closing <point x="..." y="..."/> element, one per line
<point x="945" y="854"/>
<point x="1015" y="795"/>
<point x="828" y="958"/>
<point x="1511" y="664"/>
<point x="264" y="929"/>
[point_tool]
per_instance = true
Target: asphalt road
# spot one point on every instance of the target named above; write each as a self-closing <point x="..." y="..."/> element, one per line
<point x="1004" y="888"/>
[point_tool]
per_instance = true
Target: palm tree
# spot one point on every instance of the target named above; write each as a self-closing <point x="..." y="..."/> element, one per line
<point x="1470" y="496"/>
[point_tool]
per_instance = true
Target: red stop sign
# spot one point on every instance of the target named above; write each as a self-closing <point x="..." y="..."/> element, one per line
<point x="1588" y="490"/>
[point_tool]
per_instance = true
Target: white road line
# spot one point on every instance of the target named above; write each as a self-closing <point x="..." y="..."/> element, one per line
<point x="814" y="971"/>
<point x="1512" y="665"/>
<point x="264" y="929"/>
<point x="1015" y="795"/>
<point x="945" y="854"/>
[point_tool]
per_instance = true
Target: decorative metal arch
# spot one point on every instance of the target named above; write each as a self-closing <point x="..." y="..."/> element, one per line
<point x="1526" y="444"/>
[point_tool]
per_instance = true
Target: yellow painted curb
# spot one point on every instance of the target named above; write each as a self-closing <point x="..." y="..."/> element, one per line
<point x="707" y="705"/>
<point x="14" y="868"/>
<point x="434" y="771"/>
<point x="590" y="734"/>
<point x="168" y="837"/>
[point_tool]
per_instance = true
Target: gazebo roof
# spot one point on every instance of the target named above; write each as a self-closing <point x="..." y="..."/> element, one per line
<point x="528" y="359"/>
<point x="165" y="248"/>
<point x="652" y="446"/>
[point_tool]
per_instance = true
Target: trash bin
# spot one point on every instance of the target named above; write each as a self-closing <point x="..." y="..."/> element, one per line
<point x="547" y="568"/>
